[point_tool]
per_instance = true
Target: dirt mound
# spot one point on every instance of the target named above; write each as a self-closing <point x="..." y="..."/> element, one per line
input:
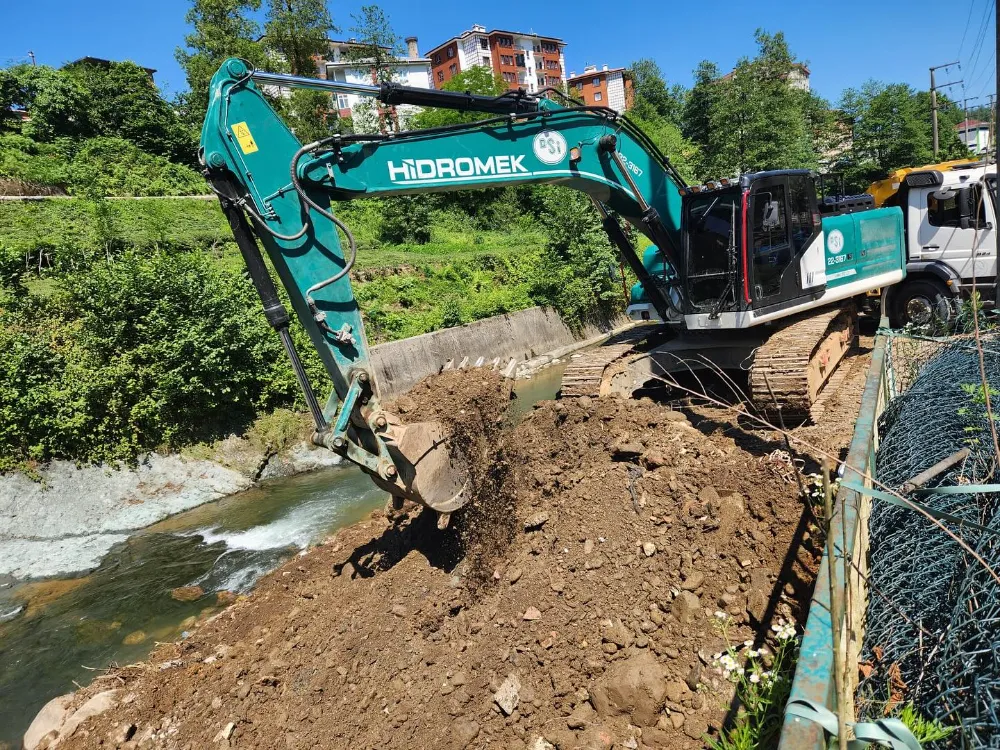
<point x="627" y="530"/>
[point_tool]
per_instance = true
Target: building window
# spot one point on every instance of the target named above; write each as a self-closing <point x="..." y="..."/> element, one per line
<point x="437" y="59"/>
<point x="510" y="77"/>
<point x="519" y="60"/>
<point x="505" y="41"/>
<point x="452" y="69"/>
<point x="486" y="61"/>
<point x="597" y="81"/>
<point x="506" y="59"/>
<point x="550" y="47"/>
<point x="598" y="96"/>
<point x="440" y="75"/>
<point x="483" y="43"/>
<point x="451" y="52"/>
<point x="342" y="102"/>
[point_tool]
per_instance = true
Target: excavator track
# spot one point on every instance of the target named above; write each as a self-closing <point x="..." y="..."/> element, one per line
<point x="791" y="368"/>
<point x="584" y="375"/>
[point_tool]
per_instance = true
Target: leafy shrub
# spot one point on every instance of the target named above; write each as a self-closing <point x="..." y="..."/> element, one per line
<point x="114" y="166"/>
<point x="404" y="220"/>
<point x="146" y="352"/>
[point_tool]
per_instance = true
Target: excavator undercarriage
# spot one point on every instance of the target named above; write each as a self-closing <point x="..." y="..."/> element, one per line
<point x="788" y="364"/>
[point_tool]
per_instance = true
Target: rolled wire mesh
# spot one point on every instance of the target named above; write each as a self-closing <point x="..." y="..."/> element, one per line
<point x="932" y="628"/>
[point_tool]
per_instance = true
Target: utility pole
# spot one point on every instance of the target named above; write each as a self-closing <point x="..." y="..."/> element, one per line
<point x="934" y="106"/>
<point x="32" y="56"/>
<point x="965" y="122"/>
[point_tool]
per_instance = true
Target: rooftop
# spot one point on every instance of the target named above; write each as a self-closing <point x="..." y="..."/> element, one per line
<point x="477" y="29"/>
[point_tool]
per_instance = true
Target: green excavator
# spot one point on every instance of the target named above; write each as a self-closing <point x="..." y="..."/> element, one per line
<point x="739" y="273"/>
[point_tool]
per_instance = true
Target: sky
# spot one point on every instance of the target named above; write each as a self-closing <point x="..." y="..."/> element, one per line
<point x="844" y="43"/>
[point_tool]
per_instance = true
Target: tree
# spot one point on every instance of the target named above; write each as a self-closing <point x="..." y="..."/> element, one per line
<point x="58" y="104"/>
<point x="222" y="28"/>
<point x="123" y="102"/>
<point x="758" y="120"/>
<point x="698" y="104"/>
<point x="297" y="30"/>
<point x="891" y="128"/>
<point x="652" y="97"/>
<point x="376" y="46"/>
<point x="476" y="80"/>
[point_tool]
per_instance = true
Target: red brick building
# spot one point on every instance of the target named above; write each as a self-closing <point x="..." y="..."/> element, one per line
<point x="607" y="87"/>
<point x="522" y="60"/>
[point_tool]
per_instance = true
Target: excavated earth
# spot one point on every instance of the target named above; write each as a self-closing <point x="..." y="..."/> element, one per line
<point x="573" y="604"/>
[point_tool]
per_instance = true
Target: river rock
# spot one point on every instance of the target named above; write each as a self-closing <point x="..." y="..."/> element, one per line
<point x="48" y="721"/>
<point x="96" y="705"/>
<point x="187" y="593"/>
<point x="636" y="687"/>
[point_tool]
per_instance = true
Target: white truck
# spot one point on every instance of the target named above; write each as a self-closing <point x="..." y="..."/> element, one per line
<point x="950" y="230"/>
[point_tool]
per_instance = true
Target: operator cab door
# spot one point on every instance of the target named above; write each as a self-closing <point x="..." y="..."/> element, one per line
<point x="943" y="225"/>
<point x="781" y="225"/>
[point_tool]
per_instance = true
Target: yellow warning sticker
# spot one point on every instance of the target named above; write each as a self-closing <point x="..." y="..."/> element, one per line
<point x="242" y="132"/>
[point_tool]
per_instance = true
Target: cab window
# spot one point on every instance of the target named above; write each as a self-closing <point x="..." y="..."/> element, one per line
<point x="771" y="250"/>
<point x="801" y="213"/>
<point x="944" y="207"/>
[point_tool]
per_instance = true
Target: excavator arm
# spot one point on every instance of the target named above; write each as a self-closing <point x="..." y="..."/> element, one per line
<point x="274" y="189"/>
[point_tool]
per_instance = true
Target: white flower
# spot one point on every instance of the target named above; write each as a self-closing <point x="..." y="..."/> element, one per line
<point x="748" y="643"/>
<point x="720" y="615"/>
<point x="755" y="678"/>
<point x="751" y="652"/>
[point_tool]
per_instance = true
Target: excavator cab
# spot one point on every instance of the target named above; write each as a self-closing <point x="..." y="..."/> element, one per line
<point x="749" y="245"/>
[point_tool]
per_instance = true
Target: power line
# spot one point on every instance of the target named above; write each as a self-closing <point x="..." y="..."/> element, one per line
<point x="987" y="70"/>
<point x="980" y="38"/>
<point x="968" y="20"/>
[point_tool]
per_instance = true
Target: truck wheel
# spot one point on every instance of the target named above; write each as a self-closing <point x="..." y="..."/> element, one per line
<point x="921" y="302"/>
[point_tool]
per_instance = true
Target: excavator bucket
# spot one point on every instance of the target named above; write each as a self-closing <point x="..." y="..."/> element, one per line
<point x="431" y="471"/>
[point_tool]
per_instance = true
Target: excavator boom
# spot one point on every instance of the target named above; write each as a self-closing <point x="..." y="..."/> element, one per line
<point x="275" y="190"/>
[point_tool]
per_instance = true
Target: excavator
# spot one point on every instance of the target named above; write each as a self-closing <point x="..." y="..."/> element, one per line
<point x="740" y="272"/>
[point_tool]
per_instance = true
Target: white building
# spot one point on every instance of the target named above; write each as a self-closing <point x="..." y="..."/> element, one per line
<point x="412" y="70"/>
<point x="975" y="135"/>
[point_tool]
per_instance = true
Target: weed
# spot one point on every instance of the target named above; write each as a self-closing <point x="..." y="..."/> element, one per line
<point x="763" y="680"/>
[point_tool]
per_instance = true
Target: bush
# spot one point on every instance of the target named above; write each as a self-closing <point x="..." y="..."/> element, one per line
<point x="114" y="166"/>
<point x="405" y="220"/>
<point x="143" y="353"/>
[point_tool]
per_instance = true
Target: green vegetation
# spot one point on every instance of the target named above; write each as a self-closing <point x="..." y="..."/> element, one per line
<point x="127" y="326"/>
<point x="762" y="681"/>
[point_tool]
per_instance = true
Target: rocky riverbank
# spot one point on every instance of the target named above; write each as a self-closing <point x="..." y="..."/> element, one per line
<point x="64" y="519"/>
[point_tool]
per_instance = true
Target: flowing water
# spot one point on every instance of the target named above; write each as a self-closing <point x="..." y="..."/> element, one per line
<point x="57" y="634"/>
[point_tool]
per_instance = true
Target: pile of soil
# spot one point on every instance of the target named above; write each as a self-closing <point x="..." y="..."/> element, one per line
<point x="576" y="607"/>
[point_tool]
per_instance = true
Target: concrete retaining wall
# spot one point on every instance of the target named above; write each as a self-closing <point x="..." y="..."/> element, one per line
<point x="520" y="336"/>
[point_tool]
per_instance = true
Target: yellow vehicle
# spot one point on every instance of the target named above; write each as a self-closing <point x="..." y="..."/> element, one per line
<point x="882" y="190"/>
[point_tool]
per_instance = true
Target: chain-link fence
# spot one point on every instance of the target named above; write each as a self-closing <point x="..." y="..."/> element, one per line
<point x="932" y="625"/>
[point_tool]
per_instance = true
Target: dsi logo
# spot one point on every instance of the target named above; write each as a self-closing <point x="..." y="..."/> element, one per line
<point x="549" y="147"/>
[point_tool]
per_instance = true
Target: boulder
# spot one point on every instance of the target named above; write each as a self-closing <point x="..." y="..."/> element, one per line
<point x="635" y="687"/>
<point x="51" y="718"/>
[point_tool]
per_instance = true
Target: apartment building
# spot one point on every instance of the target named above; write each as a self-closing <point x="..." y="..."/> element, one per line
<point x="523" y="60"/>
<point x="412" y="70"/>
<point x="607" y="87"/>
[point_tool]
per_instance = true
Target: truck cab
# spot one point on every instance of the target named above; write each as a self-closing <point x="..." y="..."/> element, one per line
<point x="950" y="227"/>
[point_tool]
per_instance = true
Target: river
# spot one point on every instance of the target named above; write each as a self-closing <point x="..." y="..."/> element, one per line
<point x="56" y="634"/>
